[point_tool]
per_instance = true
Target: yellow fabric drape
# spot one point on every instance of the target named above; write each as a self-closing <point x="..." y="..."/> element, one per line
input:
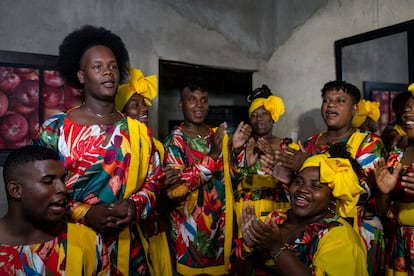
<point x="137" y="171"/>
<point x="81" y="257"/>
<point x="405" y="213"/>
<point x="354" y="142"/>
<point x="158" y="244"/>
<point x="400" y="131"/>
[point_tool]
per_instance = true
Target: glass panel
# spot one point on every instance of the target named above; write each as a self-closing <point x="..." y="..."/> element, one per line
<point x="383" y="59"/>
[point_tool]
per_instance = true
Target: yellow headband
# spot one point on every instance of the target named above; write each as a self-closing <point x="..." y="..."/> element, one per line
<point x="144" y="86"/>
<point x="272" y="104"/>
<point x="341" y="178"/>
<point x="411" y="88"/>
<point x="366" y="109"/>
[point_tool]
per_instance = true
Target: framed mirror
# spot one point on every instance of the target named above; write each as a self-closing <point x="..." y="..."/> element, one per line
<point x="383" y="55"/>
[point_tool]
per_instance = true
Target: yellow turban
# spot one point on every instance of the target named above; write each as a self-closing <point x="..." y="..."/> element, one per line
<point x="341" y="178"/>
<point x="145" y="86"/>
<point x="366" y="109"/>
<point x="411" y="88"/>
<point x="272" y="104"/>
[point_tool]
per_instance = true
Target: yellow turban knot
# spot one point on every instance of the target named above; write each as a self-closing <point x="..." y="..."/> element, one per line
<point x="366" y="109"/>
<point x="341" y="178"/>
<point x="411" y="88"/>
<point x="274" y="105"/>
<point x="145" y="86"/>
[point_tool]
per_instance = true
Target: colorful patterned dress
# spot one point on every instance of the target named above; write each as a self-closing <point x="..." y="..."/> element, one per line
<point x="97" y="159"/>
<point x="200" y="228"/>
<point x="365" y="147"/>
<point x="87" y="255"/>
<point x="329" y="247"/>
<point x="401" y="256"/>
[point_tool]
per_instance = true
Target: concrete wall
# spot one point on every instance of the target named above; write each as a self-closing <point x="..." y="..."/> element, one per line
<point x="152" y="30"/>
<point x="299" y="68"/>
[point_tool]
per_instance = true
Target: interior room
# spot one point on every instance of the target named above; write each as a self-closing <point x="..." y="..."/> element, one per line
<point x="292" y="46"/>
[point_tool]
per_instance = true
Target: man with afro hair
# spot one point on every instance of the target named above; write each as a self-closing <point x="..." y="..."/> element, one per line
<point x="113" y="172"/>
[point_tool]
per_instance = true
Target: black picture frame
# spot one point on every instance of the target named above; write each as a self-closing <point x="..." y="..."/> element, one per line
<point x="31" y="90"/>
<point x="384" y="93"/>
<point x="406" y="27"/>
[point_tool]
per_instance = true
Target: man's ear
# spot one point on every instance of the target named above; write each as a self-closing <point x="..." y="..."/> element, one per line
<point x="14" y="189"/>
<point x="354" y="109"/>
<point x="81" y="76"/>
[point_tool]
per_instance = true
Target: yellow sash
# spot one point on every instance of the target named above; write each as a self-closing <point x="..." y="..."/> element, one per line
<point x="81" y="256"/>
<point x="354" y="142"/>
<point x="160" y="148"/>
<point x="137" y="171"/>
<point x="221" y="269"/>
<point x="405" y="213"/>
<point x="157" y="247"/>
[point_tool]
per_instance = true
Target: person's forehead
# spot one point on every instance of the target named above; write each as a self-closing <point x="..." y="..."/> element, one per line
<point x="309" y="170"/>
<point x="260" y="109"/>
<point x="197" y="92"/>
<point x="97" y="51"/>
<point x="334" y="92"/>
<point x="136" y="97"/>
<point x="48" y="166"/>
<point x="410" y="101"/>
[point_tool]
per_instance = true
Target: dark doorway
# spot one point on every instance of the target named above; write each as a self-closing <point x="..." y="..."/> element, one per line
<point x="228" y="89"/>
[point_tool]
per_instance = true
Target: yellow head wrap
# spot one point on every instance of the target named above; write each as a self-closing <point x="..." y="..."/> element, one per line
<point x="366" y="109"/>
<point x="272" y="104"/>
<point x="411" y="88"/>
<point x="341" y="178"/>
<point x="145" y="86"/>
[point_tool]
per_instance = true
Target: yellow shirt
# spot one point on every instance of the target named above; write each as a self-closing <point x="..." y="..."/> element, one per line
<point x="340" y="252"/>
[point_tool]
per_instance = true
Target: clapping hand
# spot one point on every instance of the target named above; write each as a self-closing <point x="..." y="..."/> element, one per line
<point x="241" y="135"/>
<point x="384" y="179"/>
<point x="251" y="154"/>
<point x="217" y="144"/>
<point x="259" y="234"/>
<point x="291" y="158"/>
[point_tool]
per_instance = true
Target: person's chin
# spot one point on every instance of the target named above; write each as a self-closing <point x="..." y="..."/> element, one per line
<point x="144" y="121"/>
<point x="302" y="211"/>
<point x="199" y="120"/>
